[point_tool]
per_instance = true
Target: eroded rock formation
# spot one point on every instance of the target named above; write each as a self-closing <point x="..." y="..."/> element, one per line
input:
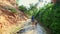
<point x="10" y="22"/>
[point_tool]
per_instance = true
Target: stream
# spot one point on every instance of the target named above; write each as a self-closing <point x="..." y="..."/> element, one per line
<point x="30" y="29"/>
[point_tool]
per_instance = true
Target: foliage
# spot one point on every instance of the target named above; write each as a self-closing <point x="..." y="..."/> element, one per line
<point x="50" y="17"/>
<point x="22" y="8"/>
<point x="12" y="10"/>
<point x="32" y="11"/>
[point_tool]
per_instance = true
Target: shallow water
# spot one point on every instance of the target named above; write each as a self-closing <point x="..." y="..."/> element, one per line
<point x="30" y="29"/>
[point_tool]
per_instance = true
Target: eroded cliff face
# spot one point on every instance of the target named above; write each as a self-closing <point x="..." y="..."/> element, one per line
<point x="10" y="22"/>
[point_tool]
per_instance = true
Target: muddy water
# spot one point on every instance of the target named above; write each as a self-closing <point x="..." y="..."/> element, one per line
<point x="30" y="29"/>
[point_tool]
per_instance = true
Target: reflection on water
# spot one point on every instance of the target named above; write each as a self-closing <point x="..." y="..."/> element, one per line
<point x="29" y="29"/>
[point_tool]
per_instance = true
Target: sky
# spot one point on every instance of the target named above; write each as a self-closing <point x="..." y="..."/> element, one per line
<point x="28" y="2"/>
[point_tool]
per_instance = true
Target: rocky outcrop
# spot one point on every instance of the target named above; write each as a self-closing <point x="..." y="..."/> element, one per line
<point x="10" y="22"/>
